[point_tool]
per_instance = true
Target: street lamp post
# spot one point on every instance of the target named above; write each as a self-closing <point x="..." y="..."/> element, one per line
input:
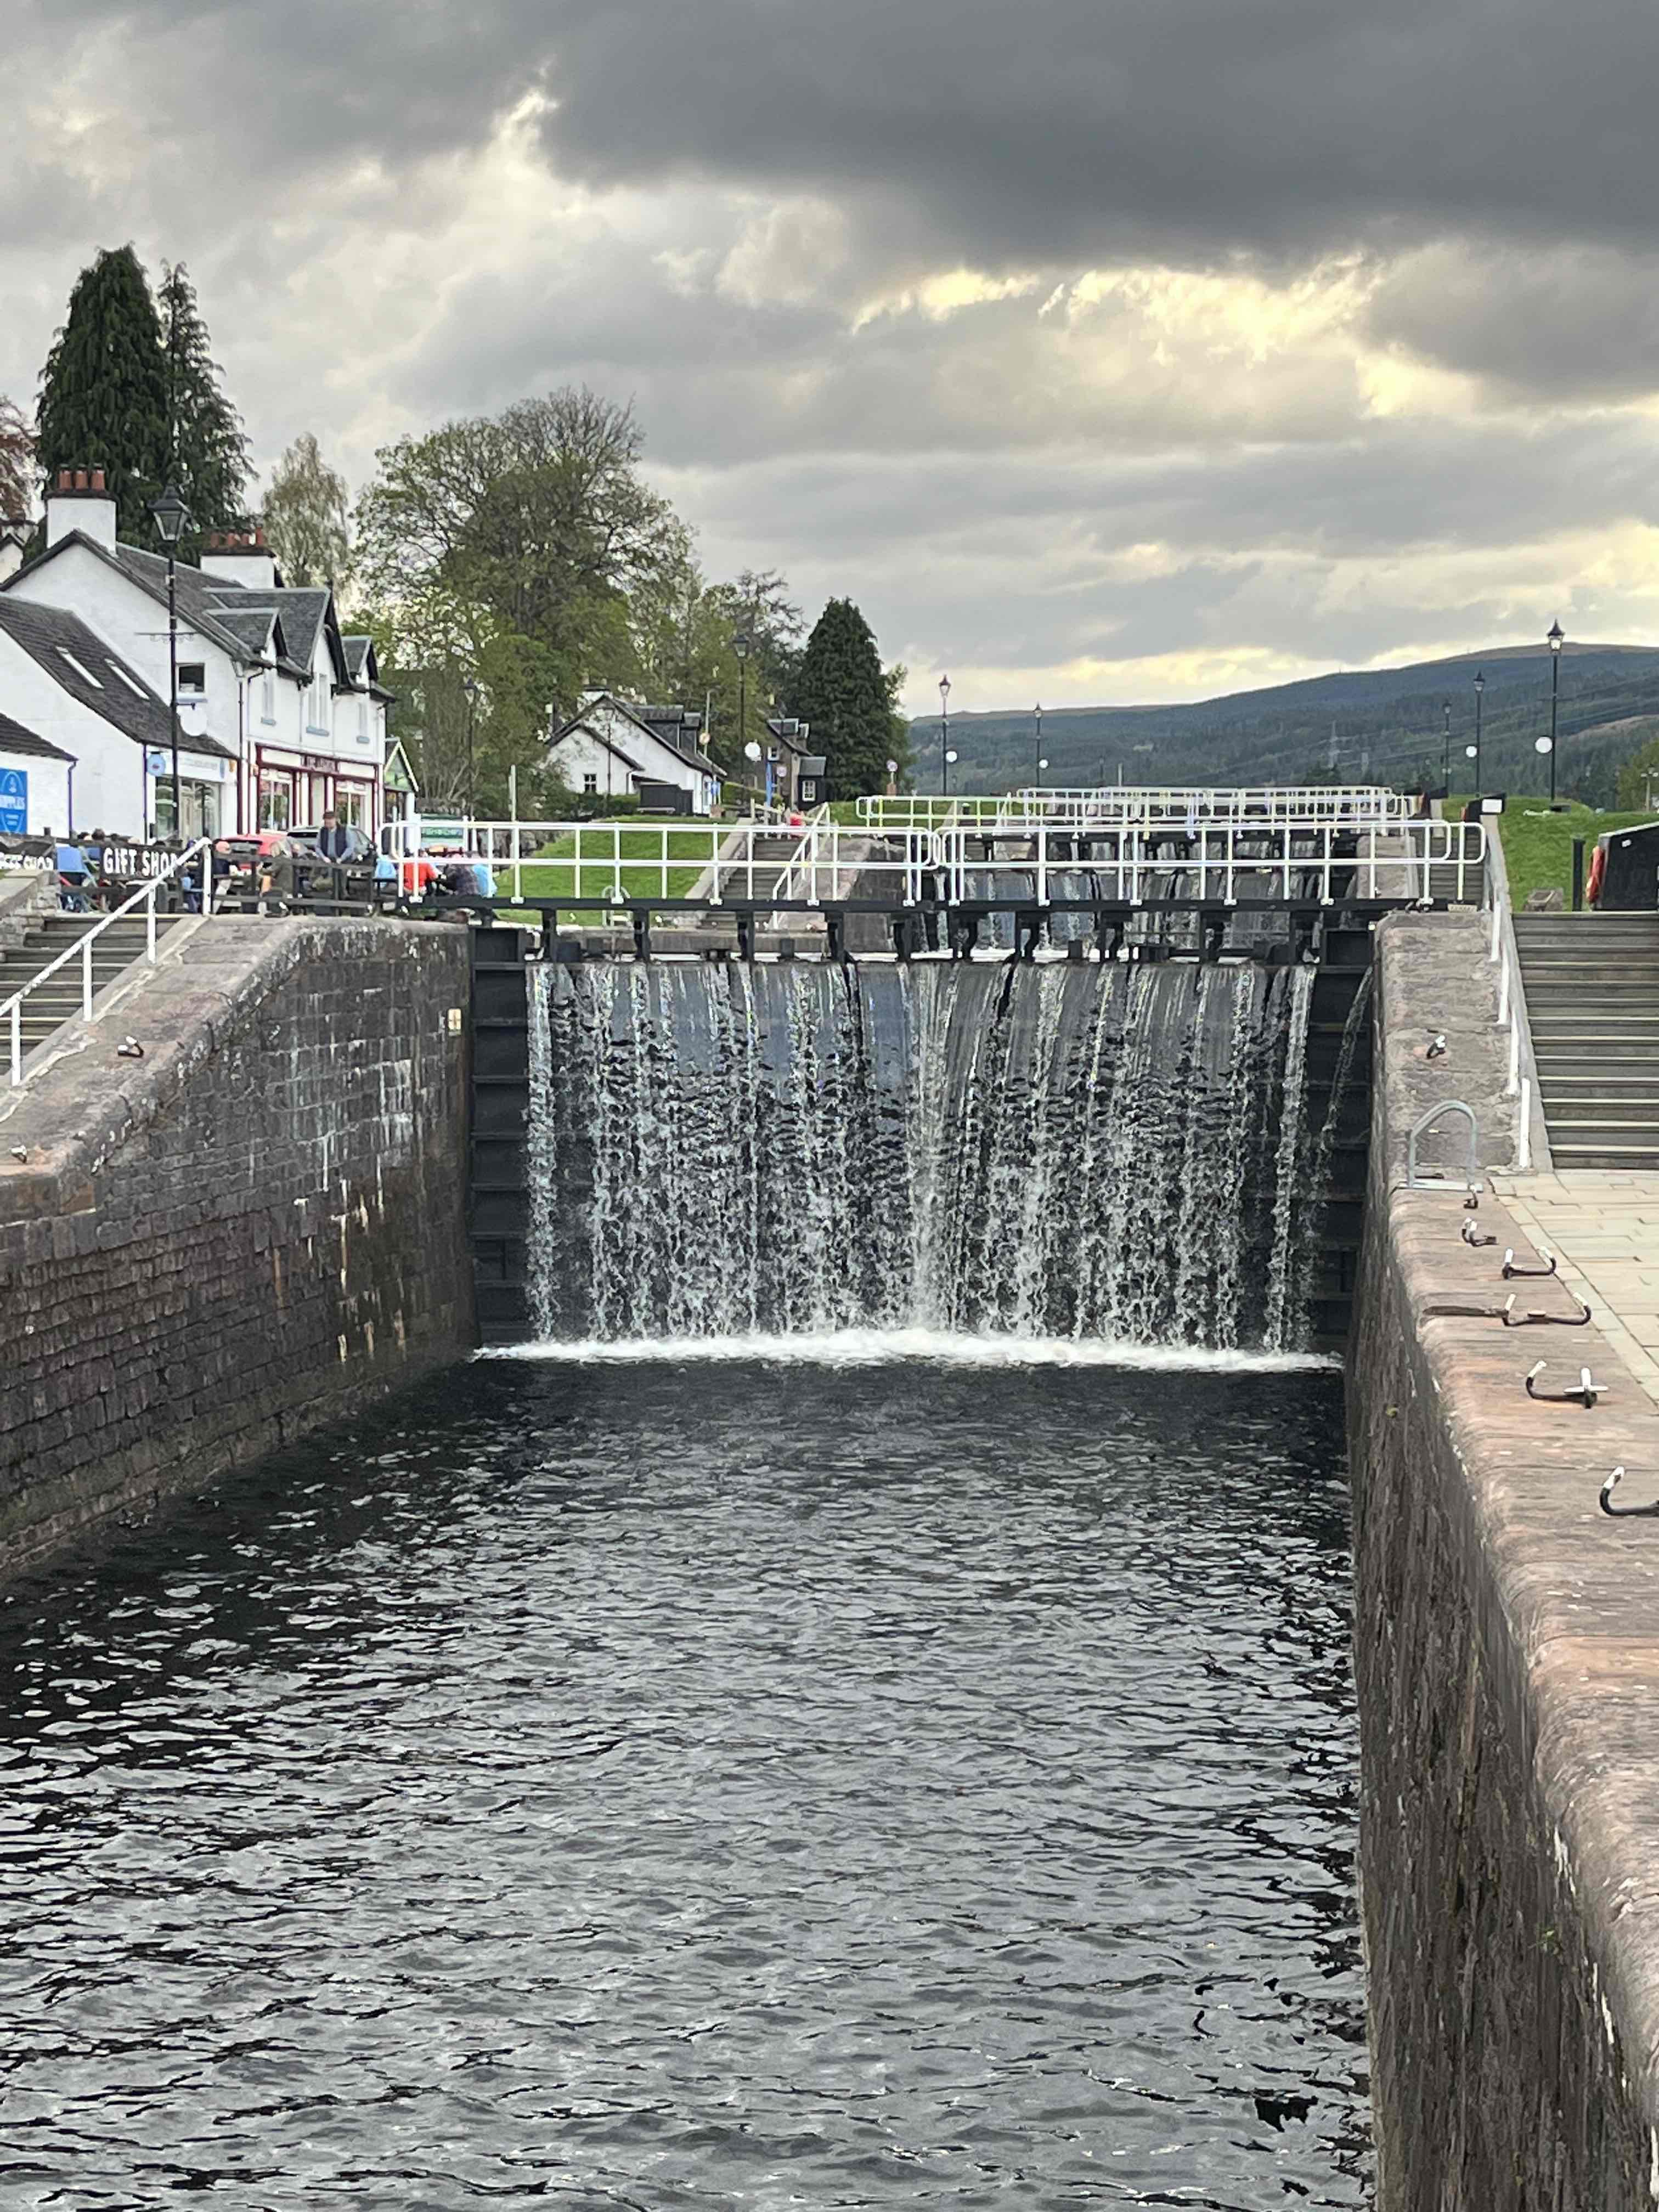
<point x="1041" y="762"/>
<point x="469" y="685"/>
<point x="740" y="649"/>
<point x="1445" y="748"/>
<point x="1557" y="636"/>
<point x="171" y="518"/>
<point x="945" y="736"/>
<point x="1480" y="689"/>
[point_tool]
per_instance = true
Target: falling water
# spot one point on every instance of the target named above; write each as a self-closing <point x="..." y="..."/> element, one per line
<point x="1053" y="1150"/>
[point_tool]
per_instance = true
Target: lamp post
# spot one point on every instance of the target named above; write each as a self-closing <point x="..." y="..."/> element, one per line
<point x="740" y="649"/>
<point x="469" y="685"/>
<point x="172" y="517"/>
<point x="1445" y="748"/>
<point x="1041" y="762"/>
<point x="945" y="736"/>
<point x="1557" y="636"/>
<point x="1480" y="689"/>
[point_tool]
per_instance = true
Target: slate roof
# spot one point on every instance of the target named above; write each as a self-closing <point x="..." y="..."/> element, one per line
<point x="257" y="631"/>
<point x="303" y="610"/>
<point x="101" y="682"/>
<point x="15" y="738"/>
<point x="598" y="738"/>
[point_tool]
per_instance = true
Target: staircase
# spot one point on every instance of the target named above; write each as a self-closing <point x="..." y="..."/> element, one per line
<point x="60" y="1000"/>
<point x="1592" y="986"/>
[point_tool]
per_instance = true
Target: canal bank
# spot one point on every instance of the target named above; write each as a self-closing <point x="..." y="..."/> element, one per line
<point x="245" y="1224"/>
<point x="1507" y="1664"/>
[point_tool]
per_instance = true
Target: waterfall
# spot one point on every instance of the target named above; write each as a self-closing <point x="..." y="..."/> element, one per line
<point x="1047" y="1148"/>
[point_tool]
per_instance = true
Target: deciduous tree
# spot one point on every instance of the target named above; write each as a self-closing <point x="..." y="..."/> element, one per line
<point x="305" y="516"/>
<point x="16" y="460"/>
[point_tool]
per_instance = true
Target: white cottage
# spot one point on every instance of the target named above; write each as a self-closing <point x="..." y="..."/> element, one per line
<point x="613" y="748"/>
<point x="106" y="734"/>
<point x="266" y="681"/>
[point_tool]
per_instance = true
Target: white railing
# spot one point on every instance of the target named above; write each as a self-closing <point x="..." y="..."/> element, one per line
<point x="607" y="864"/>
<point x="1199" y="806"/>
<point x="1521" y="1070"/>
<point x="11" y="1010"/>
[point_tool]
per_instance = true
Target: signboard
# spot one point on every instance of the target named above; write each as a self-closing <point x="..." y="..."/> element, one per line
<point x="156" y="763"/>
<point x="13" y="802"/>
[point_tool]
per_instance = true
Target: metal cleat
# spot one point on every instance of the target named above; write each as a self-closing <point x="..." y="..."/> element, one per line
<point x="1586" y="1394"/>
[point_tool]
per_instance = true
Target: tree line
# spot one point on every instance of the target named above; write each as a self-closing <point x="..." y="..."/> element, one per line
<point x="505" y="564"/>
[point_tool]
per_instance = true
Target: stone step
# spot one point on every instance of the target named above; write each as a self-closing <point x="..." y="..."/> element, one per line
<point x="1633" y="1159"/>
<point x="1600" y="1110"/>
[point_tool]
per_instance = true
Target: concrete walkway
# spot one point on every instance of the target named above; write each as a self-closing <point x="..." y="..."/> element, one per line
<point x="1603" y="1229"/>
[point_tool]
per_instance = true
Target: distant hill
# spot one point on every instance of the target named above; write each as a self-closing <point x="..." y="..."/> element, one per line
<point x="1381" y="725"/>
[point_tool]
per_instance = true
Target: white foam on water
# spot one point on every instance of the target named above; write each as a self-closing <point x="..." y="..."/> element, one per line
<point x="876" y="1347"/>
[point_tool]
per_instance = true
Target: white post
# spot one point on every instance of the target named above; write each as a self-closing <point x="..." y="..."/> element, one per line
<point x="512" y="815"/>
<point x="1523" y="1134"/>
<point x="86" y="975"/>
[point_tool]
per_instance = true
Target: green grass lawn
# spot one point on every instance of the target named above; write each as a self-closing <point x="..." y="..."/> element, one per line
<point x="1538" y="845"/>
<point x="551" y="874"/>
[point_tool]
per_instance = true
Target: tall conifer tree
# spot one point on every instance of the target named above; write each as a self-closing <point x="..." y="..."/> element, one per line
<point x="208" y="459"/>
<point x="842" y="693"/>
<point x="104" y="390"/>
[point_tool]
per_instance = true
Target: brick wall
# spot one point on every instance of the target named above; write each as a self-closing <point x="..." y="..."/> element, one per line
<point x="1507" y="1654"/>
<point x="206" y="1253"/>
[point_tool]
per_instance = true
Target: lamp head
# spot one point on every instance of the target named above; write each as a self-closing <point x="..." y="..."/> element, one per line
<point x="740" y="645"/>
<point x="171" y="516"/>
<point x="1480" y="681"/>
<point x="1556" y="636"/>
<point x="943" y="688"/>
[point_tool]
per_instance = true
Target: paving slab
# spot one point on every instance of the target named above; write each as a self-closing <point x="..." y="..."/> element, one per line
<point x="1604" y="1232"/>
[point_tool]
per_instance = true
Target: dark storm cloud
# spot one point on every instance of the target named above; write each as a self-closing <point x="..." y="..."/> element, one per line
<point x="1061" y="128"/>
<point x="1042" y="132"/>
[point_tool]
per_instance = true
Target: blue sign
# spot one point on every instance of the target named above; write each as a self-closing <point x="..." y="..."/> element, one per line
<point x="13" y="802"/>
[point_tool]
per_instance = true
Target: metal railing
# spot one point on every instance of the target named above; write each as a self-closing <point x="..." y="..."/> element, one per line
<point x="1521" y="1072"/>
<point x="11" y="1010"/>
<point x="1122" y="864"/>
<point x="1197" y="805"/>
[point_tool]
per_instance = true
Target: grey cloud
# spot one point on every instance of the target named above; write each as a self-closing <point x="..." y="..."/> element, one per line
<point x="1068" y="128"/>
<point x="1575" y="320"/>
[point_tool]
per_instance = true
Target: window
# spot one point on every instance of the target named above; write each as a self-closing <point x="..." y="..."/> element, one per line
<point x="351" y="804"/>
<point x="121" y="676"/>
<point x="268" y="694"/>
<point x="591" y="781"/>
<point x="85" y="674"/>
<point x="276" y="801"/>
<point x="192" y="676"/>
<point x="362" y="720"/>
<point x="320" y="690"/>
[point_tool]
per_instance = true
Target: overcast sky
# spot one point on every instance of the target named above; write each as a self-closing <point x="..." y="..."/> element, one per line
<point x="1104" y="350"/>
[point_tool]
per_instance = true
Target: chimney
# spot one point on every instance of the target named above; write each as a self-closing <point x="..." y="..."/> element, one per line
<point x="239" y="556"/>
<point x="79" y="500"/>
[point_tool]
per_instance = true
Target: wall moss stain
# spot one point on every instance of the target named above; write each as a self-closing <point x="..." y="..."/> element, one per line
<point x="1507" y="1651"/>
<point x="260" y="1227"/>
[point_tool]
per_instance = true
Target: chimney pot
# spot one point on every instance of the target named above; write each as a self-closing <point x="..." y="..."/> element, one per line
<point x="65" y="480"/>
<point x="80" y="479"/>
<point x="97" y="479"/>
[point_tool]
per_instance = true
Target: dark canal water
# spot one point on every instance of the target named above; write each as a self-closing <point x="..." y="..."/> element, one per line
<point x="720" y="1785"/>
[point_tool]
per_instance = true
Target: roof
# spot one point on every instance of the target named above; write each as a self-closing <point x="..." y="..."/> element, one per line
<point x="219" y="608"/>
<point x="599" y="738"/>
<point x="814" y="763"/>
<point x="81" y="664"/>
<point x="257" y="630"/>
<point x="363" y="667"/>
<point x="15" y="738"/>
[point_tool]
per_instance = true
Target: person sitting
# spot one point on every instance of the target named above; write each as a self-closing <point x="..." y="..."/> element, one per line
<point x="75" y="880"/>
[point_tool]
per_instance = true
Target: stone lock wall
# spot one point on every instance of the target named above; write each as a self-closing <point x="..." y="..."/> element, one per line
<point x="1507" y="1654"/>
<point x="208" y="1251"/>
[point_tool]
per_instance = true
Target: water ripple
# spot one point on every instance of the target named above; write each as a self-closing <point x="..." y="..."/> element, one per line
<point x="682" y="1785"/>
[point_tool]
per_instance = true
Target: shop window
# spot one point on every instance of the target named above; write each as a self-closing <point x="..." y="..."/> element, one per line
<point x="276" y="801"/>
<point x="351" y="804"/>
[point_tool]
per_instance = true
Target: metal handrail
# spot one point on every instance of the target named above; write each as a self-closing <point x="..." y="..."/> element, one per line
<point x="1125" y="864"/>
<point x="1199" y="806"/>
<point x="12" y="1008"/>
<point x="1521" y="1079"/>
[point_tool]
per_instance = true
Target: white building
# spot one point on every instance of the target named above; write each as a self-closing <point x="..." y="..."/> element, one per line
<point x="611" y="748"/>
<point x="266" y="681"/>
<point x="101" y="736"/>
